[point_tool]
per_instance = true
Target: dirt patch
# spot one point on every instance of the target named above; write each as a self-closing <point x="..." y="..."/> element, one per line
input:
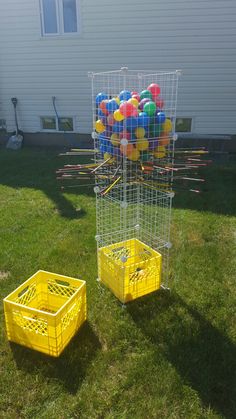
<point x="4" y="275"/>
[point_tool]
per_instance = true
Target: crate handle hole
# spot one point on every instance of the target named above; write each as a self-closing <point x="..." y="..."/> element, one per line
<point x="23" y="291"/>
<point x="64" y="283"/>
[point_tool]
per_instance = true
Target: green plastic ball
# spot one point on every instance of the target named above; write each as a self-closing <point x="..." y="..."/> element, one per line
<point x="145" y="94"/>
<point x="150" y="108"/>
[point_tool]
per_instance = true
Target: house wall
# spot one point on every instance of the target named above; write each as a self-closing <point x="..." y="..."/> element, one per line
<point x="198" y="37"/>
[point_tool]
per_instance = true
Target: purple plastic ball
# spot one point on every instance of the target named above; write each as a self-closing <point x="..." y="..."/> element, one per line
<point x="142" y="103"/>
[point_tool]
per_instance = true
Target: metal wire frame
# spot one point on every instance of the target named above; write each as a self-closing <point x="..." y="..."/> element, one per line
<point x="139" y="206"/>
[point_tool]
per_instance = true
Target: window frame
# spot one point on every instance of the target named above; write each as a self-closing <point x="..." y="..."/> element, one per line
<point x="57" y="123"/>
<point x="184" y="117"/>
<point x="60" y="21"/>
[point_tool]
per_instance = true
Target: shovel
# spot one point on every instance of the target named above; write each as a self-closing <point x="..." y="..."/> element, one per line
<point x="16" y="139"/>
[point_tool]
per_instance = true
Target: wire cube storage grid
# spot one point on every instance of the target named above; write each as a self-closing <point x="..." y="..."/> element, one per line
<point x="139" y="205"/>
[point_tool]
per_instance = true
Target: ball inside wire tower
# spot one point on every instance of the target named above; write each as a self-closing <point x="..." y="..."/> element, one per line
<point x="137" y="117"/>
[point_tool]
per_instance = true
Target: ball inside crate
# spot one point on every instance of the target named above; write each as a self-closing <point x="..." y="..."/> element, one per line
<point x="45" y="312"/>
<point x="130" y="269"/>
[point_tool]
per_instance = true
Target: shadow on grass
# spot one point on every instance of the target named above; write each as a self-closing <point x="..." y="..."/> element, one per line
<point x="204" y="357"/>
<point x="70" y="368"/>
<point x="36" y="169"/>
<point x="217" y="192"/>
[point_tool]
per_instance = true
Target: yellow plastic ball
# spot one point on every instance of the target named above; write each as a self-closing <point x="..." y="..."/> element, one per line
<point x="134" y="101"/>
<point x="118" y="115"/>
<point x="167" y="126"/>
<point x="134" y="155"/>
<point x="109" y="156"/>
<point x="99" y="126"/>
<point x="117" y="99"/>
<point x="160" y="152"/>
<point x="115" y="140"/>
<point x="142" y="144"/>
<point x="140" y="132"/>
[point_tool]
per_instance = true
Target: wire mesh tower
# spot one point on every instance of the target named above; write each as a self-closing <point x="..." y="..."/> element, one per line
<point x="134" y="116"/>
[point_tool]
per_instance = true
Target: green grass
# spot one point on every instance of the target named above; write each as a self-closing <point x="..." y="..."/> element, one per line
<point x="167" y="355"/>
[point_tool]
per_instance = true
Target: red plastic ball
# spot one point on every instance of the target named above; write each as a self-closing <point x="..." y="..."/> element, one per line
<point x="128" y="109"/>
<point x="154" y="89"/>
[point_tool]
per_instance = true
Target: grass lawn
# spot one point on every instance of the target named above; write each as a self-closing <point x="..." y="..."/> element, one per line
<point x="167" y="355"/>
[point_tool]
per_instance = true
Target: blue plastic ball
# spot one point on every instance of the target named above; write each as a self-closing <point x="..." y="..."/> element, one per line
<point x="143" y="119"/>
<point x="112" y="105"/>
<point x="100" y="97"/>
<point x="160" y="118"/>
<point x="131" y="123"/>
<point x="118" y="127"/>
<point x="100" y="114"/>
<point x="125" y="95"/>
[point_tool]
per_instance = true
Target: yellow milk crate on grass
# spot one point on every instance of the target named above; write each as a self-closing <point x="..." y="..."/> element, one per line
<point x="45" y="312"/>
<point x="130" y="269"/>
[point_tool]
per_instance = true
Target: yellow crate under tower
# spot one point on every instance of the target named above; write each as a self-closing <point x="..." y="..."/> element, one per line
<point x="132" y="185"/>
<point x="130" y="269"/>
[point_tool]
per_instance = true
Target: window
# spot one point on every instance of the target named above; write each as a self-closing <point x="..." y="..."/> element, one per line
<point x="59" y="17"/>
<point x="48" y="123"/>
<point x="51" y="123"/>
<point x="183" y="125"/>
<point x="65" y="124"/>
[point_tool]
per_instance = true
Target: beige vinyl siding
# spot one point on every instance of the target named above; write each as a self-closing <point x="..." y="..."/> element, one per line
<point x="198" y="37"/>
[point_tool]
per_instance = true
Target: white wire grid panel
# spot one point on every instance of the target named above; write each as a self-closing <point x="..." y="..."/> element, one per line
<point x="139" y="206"/>
<point x="145" y="215"/>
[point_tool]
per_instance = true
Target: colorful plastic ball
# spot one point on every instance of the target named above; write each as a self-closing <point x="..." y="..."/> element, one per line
<point x="108" y="132"/>
<point x="160" y="118"/>
<point x="131" y="123"/>
<point x="117" y="127"/>
<point x="134" y="93"/>
<point x="109" y="156"/>
<point x="145" y="94"/>
<point x="103" y="143"/>
<point x="153" y="143"/>
<point x="100" y="113"/>
<point x="160" y="152"/>
<point x="143" y="102"/>
<point x="125" y="134"/>
<point x="100" y="97"/>
<point x="143" y="119"/>
<point x="115" y="140"/>
<point x="128" y="109"/>
<point x="160" y="102"/>
<point x="110" y="120"/>
<point x="155" y="131"/>
<point x="125" y="95"/>
<point x="142" y="144"/>
<point x="154" y="89"/>
<point x="150" y="108"/>
<point x="112" y="105"/>
<point x="164" y="139"/>
<point x="134" y="102"/>
<point x="145" y="156"/>
<point x="167" y="125"/>
<point x="134" y="155"/>
<point x="140" y="132"/>
<point x="118" y="115"/>
<point x="136" y="96"/>
<point x="117" y="99"/>
<point x="103" y="105"/>
<point x="116" y="151"/>
<point x="126" y="149"/>
<point x="99" y="126"/>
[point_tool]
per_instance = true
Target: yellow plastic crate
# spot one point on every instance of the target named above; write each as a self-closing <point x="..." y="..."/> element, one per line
<point x="45" y="312"/>
<point x="130" y="269"/>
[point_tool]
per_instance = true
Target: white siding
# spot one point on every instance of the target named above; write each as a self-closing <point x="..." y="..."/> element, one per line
<point x="198" y="37"/>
